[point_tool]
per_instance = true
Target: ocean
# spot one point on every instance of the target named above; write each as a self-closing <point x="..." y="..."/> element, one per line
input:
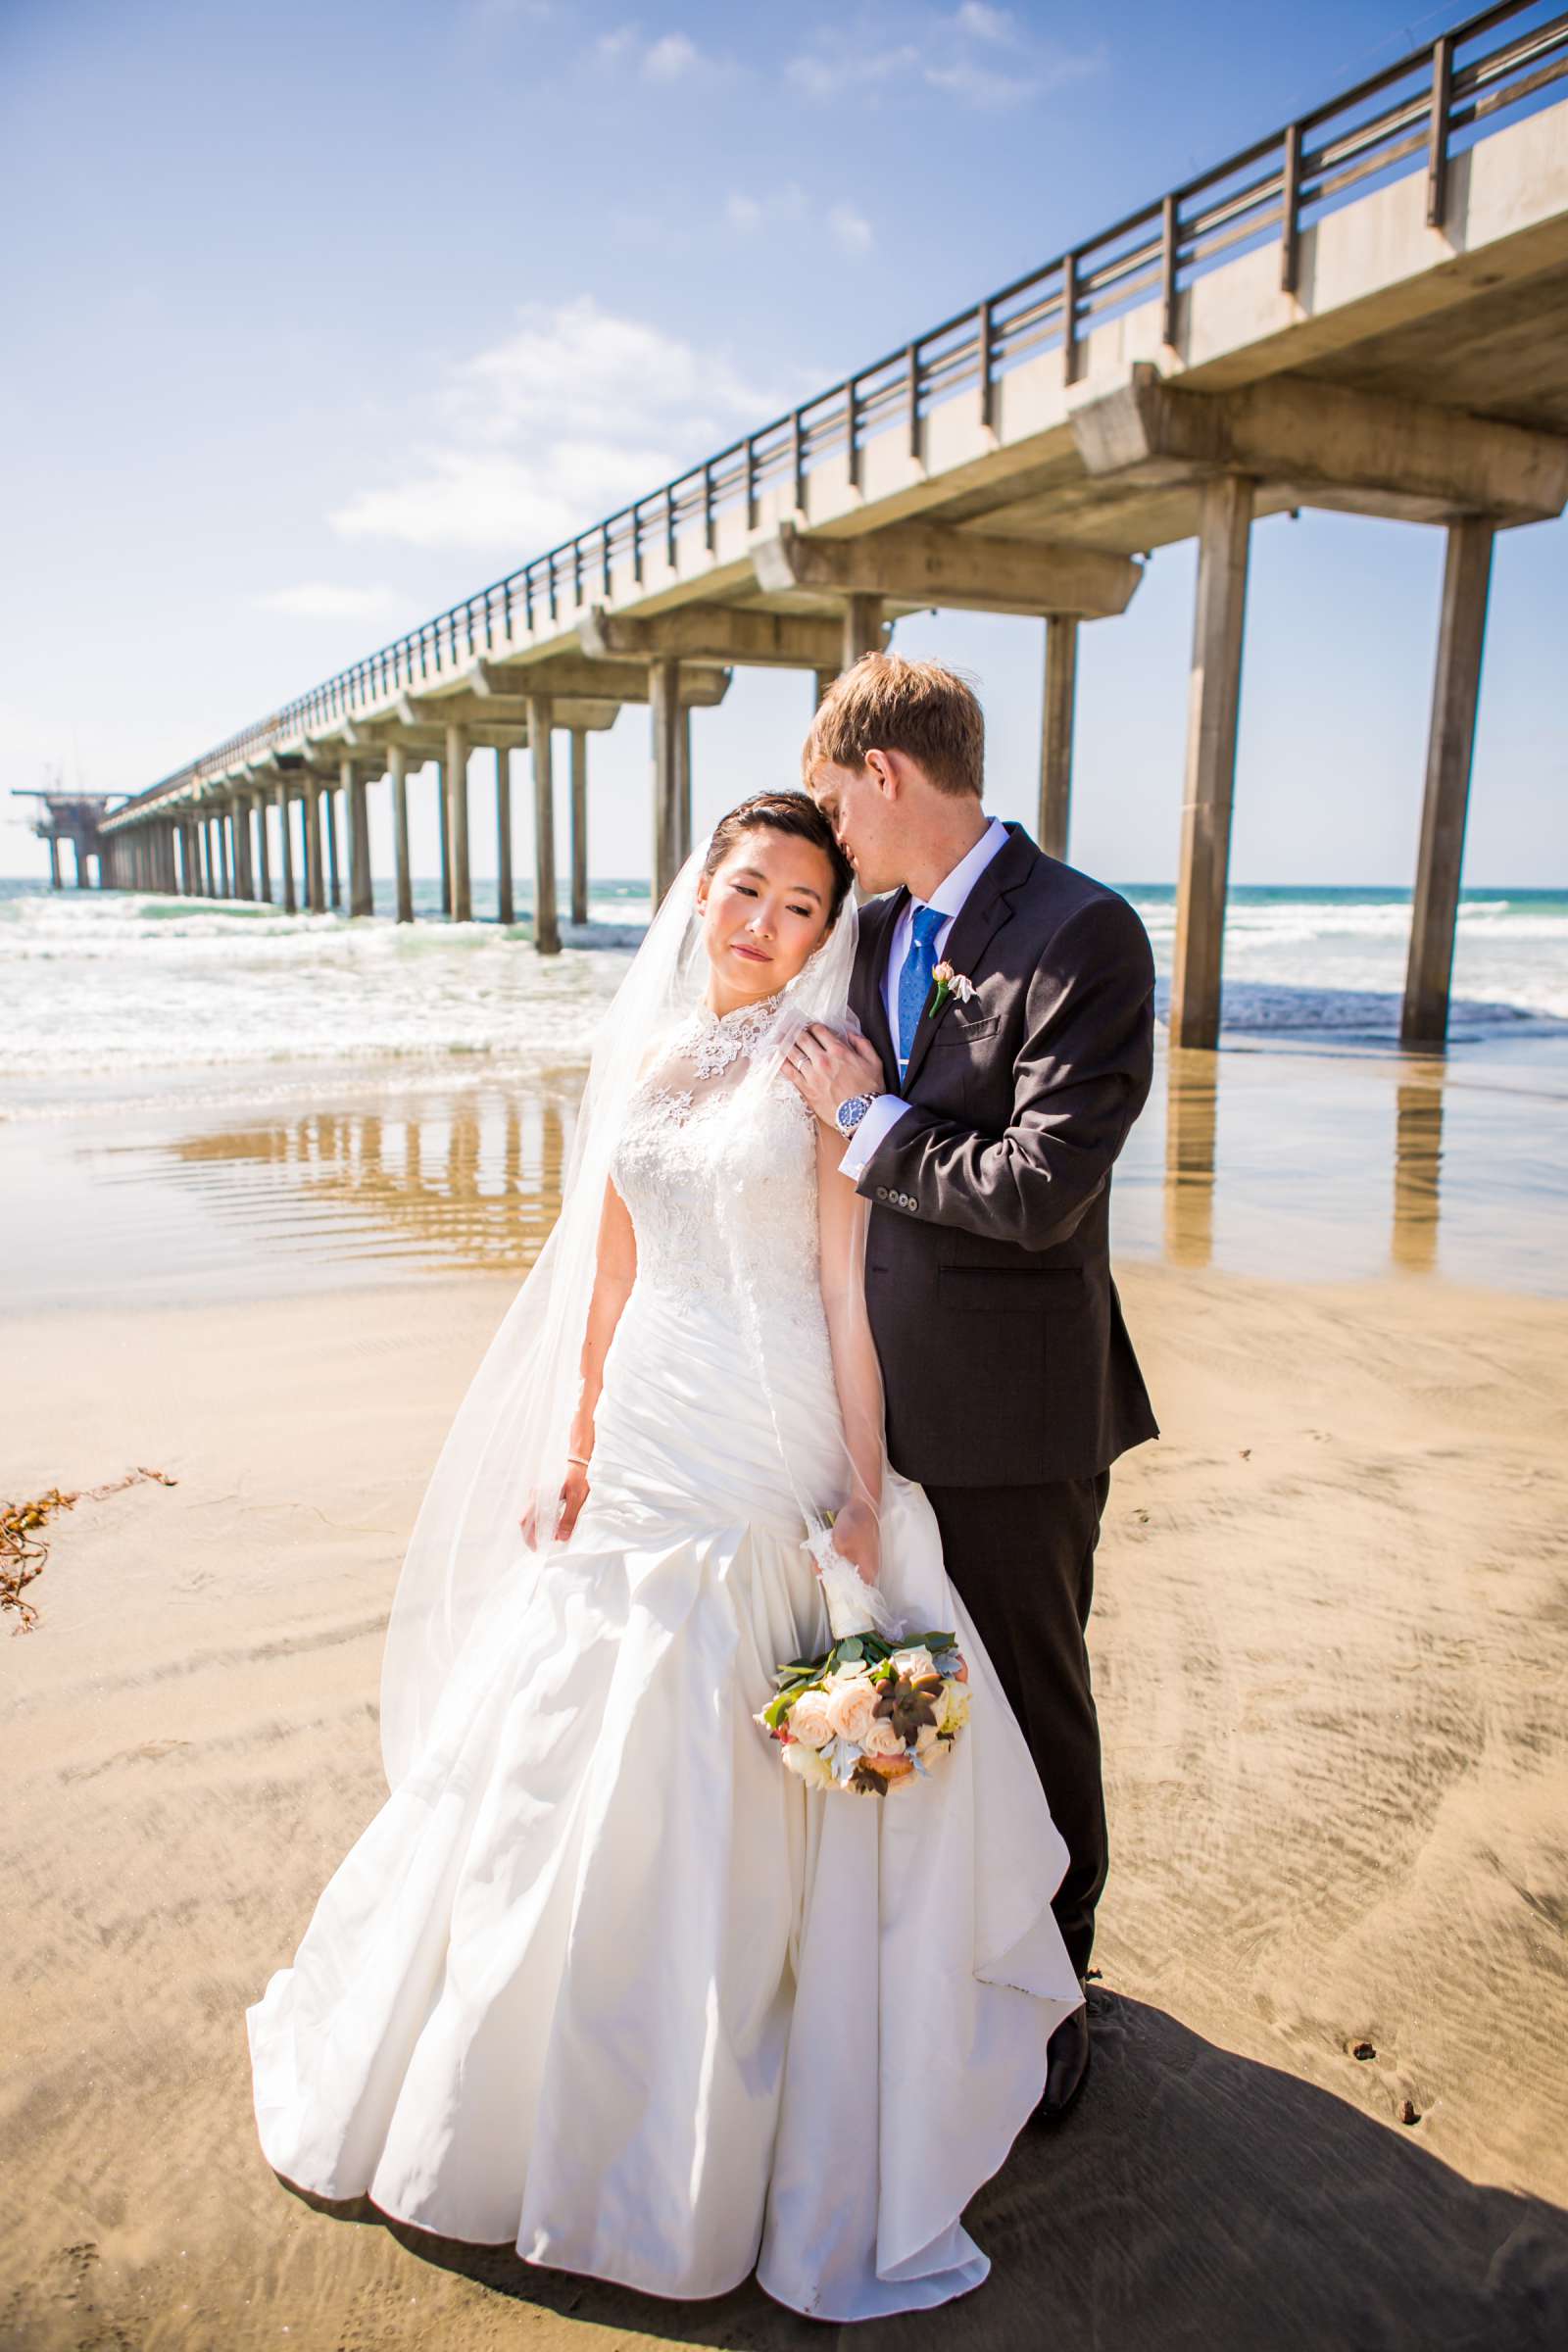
<point x="96" y="986"/>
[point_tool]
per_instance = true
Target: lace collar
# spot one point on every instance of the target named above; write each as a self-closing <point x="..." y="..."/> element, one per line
<point x="720" y="1037"/>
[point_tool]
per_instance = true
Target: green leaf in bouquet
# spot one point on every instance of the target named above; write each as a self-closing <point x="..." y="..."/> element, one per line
<point x="854" y="1648"/>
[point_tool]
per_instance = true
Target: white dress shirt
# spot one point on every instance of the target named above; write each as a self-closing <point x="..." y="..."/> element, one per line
<point x="949" y="898"/>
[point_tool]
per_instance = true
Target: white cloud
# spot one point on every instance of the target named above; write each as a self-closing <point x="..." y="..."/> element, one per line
<point x="983" y="24"/>
<point x="838" y="66"/>
<point x="567" y="419"/>
<point x="670" y="58"/>
<point x="747" y="215"/>
<point x="1010" y="67"/>
<point x="850" y="230"/>
<point x="325" y="600"/>
<point x="611" y="47"/>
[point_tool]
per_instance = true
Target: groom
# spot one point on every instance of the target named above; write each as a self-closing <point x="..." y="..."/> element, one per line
<point x="1006" y="1004"/>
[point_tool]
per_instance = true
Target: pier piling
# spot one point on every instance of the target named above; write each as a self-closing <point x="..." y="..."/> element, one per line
<point x="546" y="922"/>
<point x="1225" y="523"/>
<point x="1450" y="752"/>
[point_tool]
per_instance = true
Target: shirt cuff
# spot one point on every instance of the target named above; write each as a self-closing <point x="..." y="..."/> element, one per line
<point x="878" y="1122"/>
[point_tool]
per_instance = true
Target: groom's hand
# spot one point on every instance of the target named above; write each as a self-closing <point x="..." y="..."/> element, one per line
<point x="827" y="1069"/>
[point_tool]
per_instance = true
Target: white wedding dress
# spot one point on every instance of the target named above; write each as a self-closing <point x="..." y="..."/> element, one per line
<point x="603" y="1981"/>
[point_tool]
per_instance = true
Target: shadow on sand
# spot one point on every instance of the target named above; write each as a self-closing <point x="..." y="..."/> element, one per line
<point x="1195" y="2198"/>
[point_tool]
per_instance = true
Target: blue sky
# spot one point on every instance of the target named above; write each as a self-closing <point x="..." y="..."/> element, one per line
<point x="328" y="314"/>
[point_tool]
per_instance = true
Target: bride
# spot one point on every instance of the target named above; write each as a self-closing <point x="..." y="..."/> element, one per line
<point x="601" y="1980"/>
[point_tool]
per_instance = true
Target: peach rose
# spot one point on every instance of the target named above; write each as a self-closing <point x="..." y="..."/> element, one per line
<point x="809" y="1719"/>
<point x="881" y="1739"/>
<point x="852" y="1709"/>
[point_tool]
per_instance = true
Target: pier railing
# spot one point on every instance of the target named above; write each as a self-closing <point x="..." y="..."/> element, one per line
<point x="1415" y="114"/>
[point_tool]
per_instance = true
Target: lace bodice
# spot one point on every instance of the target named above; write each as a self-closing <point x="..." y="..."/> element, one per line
<point x="712" y="1196"/>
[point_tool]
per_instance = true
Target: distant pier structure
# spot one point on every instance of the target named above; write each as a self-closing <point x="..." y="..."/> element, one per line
<point x="1366" y="311"/>
<point x="75" y="818"/>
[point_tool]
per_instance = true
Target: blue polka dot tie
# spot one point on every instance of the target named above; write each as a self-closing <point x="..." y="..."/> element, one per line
<point x="915" y="981"/>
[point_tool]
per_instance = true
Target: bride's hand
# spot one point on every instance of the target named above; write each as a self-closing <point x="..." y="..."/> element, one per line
<point x="858" y="1539"/>
<point x="573" y="1495"/>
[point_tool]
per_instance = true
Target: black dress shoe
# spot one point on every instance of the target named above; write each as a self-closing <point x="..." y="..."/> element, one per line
<point x="1067" y="2068"/>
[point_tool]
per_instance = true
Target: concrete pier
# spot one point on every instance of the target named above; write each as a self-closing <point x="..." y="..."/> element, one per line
<point x="1364" y="312"/>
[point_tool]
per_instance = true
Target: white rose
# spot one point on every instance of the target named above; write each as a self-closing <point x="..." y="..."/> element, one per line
<point x="851" y="1710"/>
<point x="809" y="1719"/>
<point x="881" y="1739"/>
<point x="914" y="1662"/>
<point x="807" y="1764"/>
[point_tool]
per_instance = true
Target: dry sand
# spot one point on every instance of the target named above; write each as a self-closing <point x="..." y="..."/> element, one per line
<point x="1329" y="1641"/>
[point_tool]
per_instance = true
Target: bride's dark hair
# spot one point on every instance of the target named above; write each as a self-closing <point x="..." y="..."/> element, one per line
<point x="790" y="812"/>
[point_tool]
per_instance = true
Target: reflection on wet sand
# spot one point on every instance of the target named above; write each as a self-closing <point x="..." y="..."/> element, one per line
<point x="1191" y="1105"/>
<point x="440" y="1174"/>
<point x="1417" y="1158"/>
<point x="458" y="1178"/>
<point x="1191" y="1180"/>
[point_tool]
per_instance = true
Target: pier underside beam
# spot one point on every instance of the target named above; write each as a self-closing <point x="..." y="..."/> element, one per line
<point x="1325" y="444"/>
<point x="1212" y="710"/>
<point x="584" y="678"/>
<point x="717" y="633"/>
<point x="546" y="922"/>
<point x="927" y="564"/>
<point x="1451" y="748"/>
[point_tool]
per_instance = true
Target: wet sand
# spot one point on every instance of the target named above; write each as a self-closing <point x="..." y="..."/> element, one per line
<point x="1330" y="1645"/>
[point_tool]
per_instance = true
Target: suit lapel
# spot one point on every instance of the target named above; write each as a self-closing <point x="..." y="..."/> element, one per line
<point x="880" y="924"/>
<point x="987" y="907"/>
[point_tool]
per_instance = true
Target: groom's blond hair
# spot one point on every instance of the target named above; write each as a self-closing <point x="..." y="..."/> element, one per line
<point x="885" y="704"/>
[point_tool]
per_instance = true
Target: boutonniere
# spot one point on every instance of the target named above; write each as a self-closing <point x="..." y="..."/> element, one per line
<point x="946" y="983"/>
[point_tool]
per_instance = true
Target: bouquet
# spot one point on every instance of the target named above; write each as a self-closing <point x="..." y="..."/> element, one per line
<point x="873" y="1711"/>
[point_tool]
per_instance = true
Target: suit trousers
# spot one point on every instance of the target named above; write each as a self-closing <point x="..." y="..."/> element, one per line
<point x="1023" y="1561"/>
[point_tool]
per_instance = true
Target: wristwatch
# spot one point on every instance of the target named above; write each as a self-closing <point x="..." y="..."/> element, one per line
<point x="849" y="1114"/>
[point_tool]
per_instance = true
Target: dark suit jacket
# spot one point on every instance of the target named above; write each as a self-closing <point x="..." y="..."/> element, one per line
<point x="1005" y="1357"/>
